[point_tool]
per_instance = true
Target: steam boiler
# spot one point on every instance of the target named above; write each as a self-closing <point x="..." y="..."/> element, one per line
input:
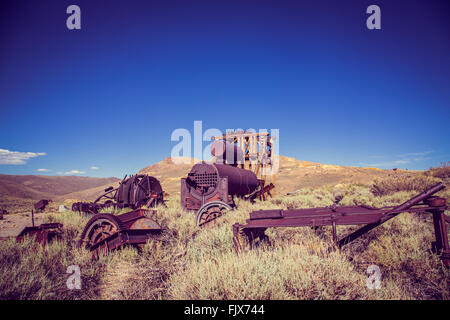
<point x="133" y="192"/>
<point x="210" y="189"/>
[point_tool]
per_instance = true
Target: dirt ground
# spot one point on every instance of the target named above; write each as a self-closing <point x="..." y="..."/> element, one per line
<point x="12" y="224"/>
<point x="19" y="216"/>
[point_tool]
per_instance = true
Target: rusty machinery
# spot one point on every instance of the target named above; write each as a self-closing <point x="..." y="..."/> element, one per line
<point x="424" y="202"/>
<point x="42" y="204"/>
<point x="248" y="150"/>
<point x="105" y="232"/>
<point x="44" y="233"/>
<point x="102" y="233"/>
<point x="210" y="188"/>
<point x="133" y="192"/>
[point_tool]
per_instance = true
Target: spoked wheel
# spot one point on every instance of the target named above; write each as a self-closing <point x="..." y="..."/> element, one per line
<point x="147" y="192"/>
<point x="99" y="228"/>
<point x="211" y="211"/>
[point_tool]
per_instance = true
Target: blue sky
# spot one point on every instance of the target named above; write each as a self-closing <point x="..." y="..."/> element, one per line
<point x="110" y="95"/>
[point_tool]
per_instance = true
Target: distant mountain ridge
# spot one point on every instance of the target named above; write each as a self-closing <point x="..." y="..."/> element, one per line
<point x="293" y="175"/>
<point x="47" y="187"/>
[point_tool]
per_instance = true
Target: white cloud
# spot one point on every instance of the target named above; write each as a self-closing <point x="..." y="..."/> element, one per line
<point x="387" y="163"/>
<point x="94" y="168"/>
<point x="75" y="172"/>
<point x="414" y="154"/>
<point x="402" y="159"/>
<point x="43" y="170"/>
<point x="16" y="157"/>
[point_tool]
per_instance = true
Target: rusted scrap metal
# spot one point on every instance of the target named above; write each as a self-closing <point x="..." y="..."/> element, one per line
<point x="41" y="204"/>
<point x="89" y="207"/>
<point x="227" y="153"/>
<point x="265" y="191"/>
<point x="210" y="189"/>
<point x="133" y="192"/>
<point x="238" y="169"/>
<point x="106" y="232"/>
<point x="248" y="150"/>
<point x="44" y="233"/>
<point x="335" y="215"/>
<point x="3" y="213"/>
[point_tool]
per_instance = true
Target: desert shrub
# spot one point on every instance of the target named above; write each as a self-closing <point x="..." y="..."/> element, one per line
<point x="16" y="205"/>
<point x="144" y="274"/>
<point x="30" y="271"/>
<point x="401" y="249"/>
<point x="289" y="272"/>
<point x="402" y="182"/>
<point x="190" y="262"/>
<point x="115" y="211"/>
<point x="130" y="274"/>
<point x="442" y="171"/>
<point x="307" y="197"/>
<point x="73" y="222"/>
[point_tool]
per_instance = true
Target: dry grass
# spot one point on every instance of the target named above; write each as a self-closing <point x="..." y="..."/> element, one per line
<point x="286" y="272"/>
<point x="442" y="171"/>
<point x="194" y="263"/>
<point x="16" y="205"/>
<point x="28" y="271"/>
<point x="403" y="182"/>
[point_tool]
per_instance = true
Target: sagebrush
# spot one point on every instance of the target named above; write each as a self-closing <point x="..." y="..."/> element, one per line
<point x="200" y="263"/>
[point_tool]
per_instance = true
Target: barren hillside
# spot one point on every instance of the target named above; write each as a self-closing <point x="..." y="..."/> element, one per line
<point x="293" y="174"/>
<point x="87" y="194"/>
<point x="49" y="187"/>
<point x="169" y="173"/>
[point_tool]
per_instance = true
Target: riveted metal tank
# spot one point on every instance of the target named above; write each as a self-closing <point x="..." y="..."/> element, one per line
<point x="204" y="179"/>
<point x="227" y="153"/>
<point x="216" y="182"/>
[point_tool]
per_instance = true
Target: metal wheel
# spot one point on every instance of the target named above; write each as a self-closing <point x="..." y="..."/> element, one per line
<point x="98" y="228"/>
<point x="211" y="211"/>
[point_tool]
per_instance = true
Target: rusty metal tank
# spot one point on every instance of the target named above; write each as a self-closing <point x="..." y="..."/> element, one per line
<point x="227" y="153"/>
<point x="209" y="183"/>
<point x="204" y="179"/>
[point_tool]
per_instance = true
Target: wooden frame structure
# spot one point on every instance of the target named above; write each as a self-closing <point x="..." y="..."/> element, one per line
<point x="258" y="155"/>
